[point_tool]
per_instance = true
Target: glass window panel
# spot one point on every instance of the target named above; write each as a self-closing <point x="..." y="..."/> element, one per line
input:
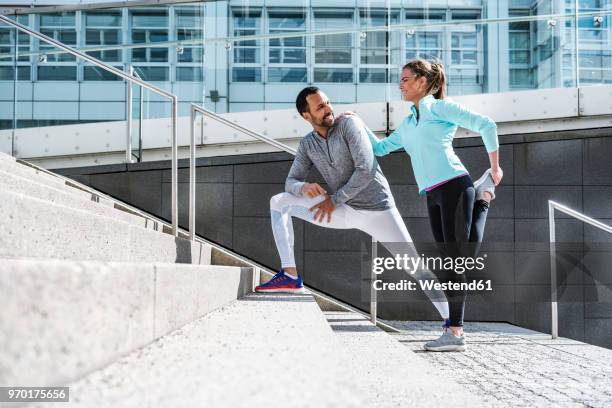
<point x="246" y="74"/>
<point x="188" y="16"/>
<point x="284" y="21"/>
<point x="376" y="56"/>
<point x="99" y="74"/>
<point x="191" y="55"/>
<point x="338" y="75"/>
<point x="287" y="74"/>
<point x="275" y="54"/>
<point x="57" y="20"/>
<point x="519" y="40"/>
<point x="469" y="57"/>
<point x="295" y="56"/>
<point x="191" y="74"/>
<point x="97" y="19"/>
<point x="139" y="54"/>
<point x="139" y="36"/>
<point x="336" y="40"/>
<point x="158" y="35"/>
<point x="159" y="55"/>
<point x="372" y="75"/>
<point x="152" y="73"/>
<point x="332" y="56"/>
<point x="155" y="18"/>
<point x="519" y="57"/>
<point x="57" y="73"/>
<point x="246" y="55"/>
<point x="520" y="77"/>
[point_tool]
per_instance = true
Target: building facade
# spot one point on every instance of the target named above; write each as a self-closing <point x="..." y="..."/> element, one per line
<point x="256" y="55"/>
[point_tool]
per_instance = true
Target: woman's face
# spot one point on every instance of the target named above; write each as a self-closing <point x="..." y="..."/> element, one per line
<point x="411" y="86"/>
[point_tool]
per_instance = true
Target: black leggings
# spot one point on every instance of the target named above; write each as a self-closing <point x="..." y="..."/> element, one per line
<point x="457" y="221"/>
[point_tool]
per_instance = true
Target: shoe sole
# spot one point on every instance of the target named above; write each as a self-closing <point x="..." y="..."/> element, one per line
<point x="446" y="348"/>
<point x="281" y="290"/>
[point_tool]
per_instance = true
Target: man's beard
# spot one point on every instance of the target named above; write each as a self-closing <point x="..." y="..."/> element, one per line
<point x="326" y="122"/>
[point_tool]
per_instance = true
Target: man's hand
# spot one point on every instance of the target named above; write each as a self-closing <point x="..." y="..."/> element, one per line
<point x="497" y="174"/>
<point x="324" y="208"/>
<point x="312" y="190"/>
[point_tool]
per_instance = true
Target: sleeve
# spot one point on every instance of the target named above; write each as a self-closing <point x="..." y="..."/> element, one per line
<point x="391" y="143"/>
<point x="356" y="138"/>
<point x="298" y="172"/>
<point x="460" y="115"/>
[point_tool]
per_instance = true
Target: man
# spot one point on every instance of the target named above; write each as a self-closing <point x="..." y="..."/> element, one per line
<point x="359" y="195"/>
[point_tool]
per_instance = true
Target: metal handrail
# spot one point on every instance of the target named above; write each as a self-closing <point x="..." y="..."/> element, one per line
<point x="130" y="79"/>
<point x="192" y="178"/>
<point x="192" y="152"/>
<point x="552" y="206"/>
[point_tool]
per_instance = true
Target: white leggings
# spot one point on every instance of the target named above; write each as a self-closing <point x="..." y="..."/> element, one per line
<point x="385" y="226"/>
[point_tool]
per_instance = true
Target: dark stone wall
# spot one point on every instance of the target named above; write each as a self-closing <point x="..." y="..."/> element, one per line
<point x="572" y="167"/>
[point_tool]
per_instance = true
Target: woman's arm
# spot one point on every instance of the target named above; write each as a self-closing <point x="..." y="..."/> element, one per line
<point x="460" y="115"/>
<point x="382" y="147"/>
<point x="455" y="113"/>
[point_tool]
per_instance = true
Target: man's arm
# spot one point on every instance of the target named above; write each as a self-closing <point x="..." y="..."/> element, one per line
<point x="298" y="172"/>
<point x="363" y="158"/>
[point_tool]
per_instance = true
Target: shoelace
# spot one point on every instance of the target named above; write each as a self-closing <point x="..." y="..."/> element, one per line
<point x="277" y="278"/>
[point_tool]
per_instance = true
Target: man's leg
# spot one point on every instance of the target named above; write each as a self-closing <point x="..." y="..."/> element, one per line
<point x="388" y="228"/>
<point x="285" y="206"/>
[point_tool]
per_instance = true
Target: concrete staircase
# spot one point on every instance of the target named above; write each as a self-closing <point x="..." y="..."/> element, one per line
<point x="98" y="297"/>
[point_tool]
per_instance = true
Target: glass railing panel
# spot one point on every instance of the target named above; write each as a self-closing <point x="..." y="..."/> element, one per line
<point x="595" y="48"/>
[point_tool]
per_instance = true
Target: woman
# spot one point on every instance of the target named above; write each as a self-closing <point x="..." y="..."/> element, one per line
<point x="457" y="211"/>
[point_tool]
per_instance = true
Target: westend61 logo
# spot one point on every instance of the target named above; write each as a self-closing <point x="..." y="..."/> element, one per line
<point x="421" y="268"/>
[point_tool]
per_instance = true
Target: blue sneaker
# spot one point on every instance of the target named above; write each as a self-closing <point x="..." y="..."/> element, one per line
<point x="281" y="283"/>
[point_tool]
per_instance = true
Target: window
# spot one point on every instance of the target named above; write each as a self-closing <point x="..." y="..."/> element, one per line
<point x="425" y="42"/>
<point x="374" y="53"/>
<point x="333" y="53"/>
<point x="149" y="26"/>
<point x="103" y="29"/>
<point x="466" y="60"/>
<point x="59" y="66"/>
<point x="246" y="64"/>
<point x="7" y="52"/>
<point x="519" y="52"/>
<point x="190" y="47"/>
<point x="287" y="56"/>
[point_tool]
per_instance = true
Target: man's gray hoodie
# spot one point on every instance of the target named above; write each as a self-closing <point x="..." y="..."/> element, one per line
<point x="347" y="163"/>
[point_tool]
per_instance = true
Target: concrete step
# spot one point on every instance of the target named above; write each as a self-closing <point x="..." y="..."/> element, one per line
<point x="259" y="351"/>
<point x="35" y="228"/>
<point x="60" y="320"/>
<point x="9" y="165"/>
<point x="393" y="375"/>
<point x="69" y="197"/>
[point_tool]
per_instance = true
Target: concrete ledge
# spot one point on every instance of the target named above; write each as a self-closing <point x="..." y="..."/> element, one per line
<point x="60" y="320"/>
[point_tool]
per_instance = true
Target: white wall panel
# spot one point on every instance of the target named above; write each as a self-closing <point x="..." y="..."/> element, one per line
<point x="596" y="100"/>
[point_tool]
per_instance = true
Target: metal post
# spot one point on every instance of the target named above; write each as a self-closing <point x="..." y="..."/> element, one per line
<point x="554" y="331"/>
<point x="192" y="173"/>
<point x="128" y="144"/>
<point x="174" y="204"/>
<point x="373" y="277"/>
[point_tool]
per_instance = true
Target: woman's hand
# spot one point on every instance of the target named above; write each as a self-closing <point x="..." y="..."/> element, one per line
<point x="497" y="174"/>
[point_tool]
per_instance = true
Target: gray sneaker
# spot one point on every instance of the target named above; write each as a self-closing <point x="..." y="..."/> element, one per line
<point x="485" y="183"/>
<point x="446" y="342"/>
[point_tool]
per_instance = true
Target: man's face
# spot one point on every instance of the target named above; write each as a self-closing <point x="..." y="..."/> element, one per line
<point x="320" y="112"/>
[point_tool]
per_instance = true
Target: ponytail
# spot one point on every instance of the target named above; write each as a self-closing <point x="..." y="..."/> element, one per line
<point x="434" y="72"/>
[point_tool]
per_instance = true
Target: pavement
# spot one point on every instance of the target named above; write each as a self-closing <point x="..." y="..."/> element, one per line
<point x="509" y="366"/>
